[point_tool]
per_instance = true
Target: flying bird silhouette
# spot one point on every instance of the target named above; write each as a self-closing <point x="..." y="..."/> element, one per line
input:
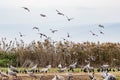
<point x="93" y="33"/>
<point x="21" y="35"/>
<point x="53" y="31"/>
<point x="69" y="19"/>
<point x="58" y="12"/>
<point x="68" y="35"/>
<point x="43" y="15"/>
<point x="36" y="28"/>
<point x="101" y="32"/>
<point x="101" y="26"/>
<point x="41" y="35"/>
<point x="26" y="9"/>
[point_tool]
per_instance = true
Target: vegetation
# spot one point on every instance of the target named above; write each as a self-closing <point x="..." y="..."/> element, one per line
<point x="65" y="52"/>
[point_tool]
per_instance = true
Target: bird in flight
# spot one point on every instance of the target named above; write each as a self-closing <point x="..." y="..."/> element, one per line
<point x="53" y="31"/>
<point x="101" y="26"/>
<point x="58" y="12"/>
<point x="68" y="35"/>
<point x="93" y="33"/>
<point x="26" y="9"/>
<point x="41" y="35"/>
<point x="43" y="15"/>
<point x="36" y="28"/>
<point x="69" y="19"/>
<point x="101" y="32"/>
<point x="21" y="35"/>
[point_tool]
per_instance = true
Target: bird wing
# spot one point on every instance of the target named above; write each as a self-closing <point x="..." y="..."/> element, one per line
<point x="26" y="9"/>
<point x="58" y="11"/>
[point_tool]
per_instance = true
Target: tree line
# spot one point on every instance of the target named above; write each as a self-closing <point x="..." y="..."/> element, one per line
<point x="46" y="52"/>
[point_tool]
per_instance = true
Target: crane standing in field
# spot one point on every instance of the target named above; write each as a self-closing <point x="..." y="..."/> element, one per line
<point x="107" y="76"/>
<point x="72" y="66"/>
<point x="91" y="76"/>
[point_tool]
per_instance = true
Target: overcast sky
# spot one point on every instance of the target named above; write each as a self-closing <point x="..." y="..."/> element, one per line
<point x="87" y="14"/>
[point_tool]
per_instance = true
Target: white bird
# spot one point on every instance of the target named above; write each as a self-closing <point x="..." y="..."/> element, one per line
<point x="73" y="65"/>
<point x="34" y="67"/>
<point x="44" y="70"/>
<point x="49" y="66"/>
<point x="105" y="65"/>
<point x="62" y="69"/>
<point x="60" y="66"/>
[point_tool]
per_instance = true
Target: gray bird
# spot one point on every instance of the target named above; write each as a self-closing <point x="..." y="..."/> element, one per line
<point x="91" y="76"/>
<point x="69" y="19"/>
<point x="93" y="33"/>
<point x="14" y="74"/>
<point x="42" y="35"/>
<point x="26" y="9"/>
<point x="33" y="68"/>
<point x="36" y="28"/>
<point x="53" y="31"/>
<point x="69" y="76"/>
<point x="32" y="75"/>
<point x="14" y="69"/>
<point x="43" y="15"/>
<point x="60" y="77"/>
<point x="107" y="76"/>
<point x="21" y="35"/>
<point x="58" y="12"/>
<point x="68" y="35"/>
<point x="101" y="32"/>
<point x="100" y="26"/>
<point x="72" y="66"/>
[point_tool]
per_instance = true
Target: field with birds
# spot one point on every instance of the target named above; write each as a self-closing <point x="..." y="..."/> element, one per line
<point x="62" y="60"/>
<point x="59" y="40"/>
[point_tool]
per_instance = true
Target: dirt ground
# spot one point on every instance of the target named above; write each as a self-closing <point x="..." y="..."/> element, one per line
<point x="49" y="76"/>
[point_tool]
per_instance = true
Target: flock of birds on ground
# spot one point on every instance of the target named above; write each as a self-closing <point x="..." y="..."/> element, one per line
<point x="31" y="72"/>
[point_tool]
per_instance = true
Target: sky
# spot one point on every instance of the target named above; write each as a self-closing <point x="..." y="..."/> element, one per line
<point x="86" y="14"/>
